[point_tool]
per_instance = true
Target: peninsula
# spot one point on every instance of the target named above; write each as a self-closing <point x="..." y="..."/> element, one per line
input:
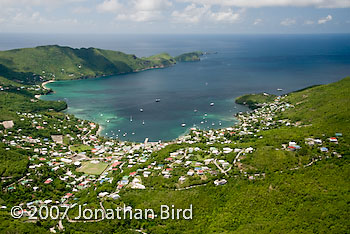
<point x="42" y="63"/>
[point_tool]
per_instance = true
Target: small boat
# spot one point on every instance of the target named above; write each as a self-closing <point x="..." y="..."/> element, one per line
<point x="205" y="114"/>
<point x="183" y="125"/>
<point x="143" y="122"/>
<point x="107" y="120"/>
<point x="279" y="89"/>
<point x="212" y="104"/>
<point x="130" y="118"/>
<point x="195" y="111"/>
<point x="158" y="100"/>
<point x="219" y="123"/>
<point x="141" y="110"/>
<point x="133" y="133"/>
<point x="212" y="124"/>
<point x="202" y="122"/>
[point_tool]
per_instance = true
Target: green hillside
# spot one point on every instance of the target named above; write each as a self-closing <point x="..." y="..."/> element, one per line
<point x="253" y="100"/>
<point x="189" y="57"/>
<point x="289" y="198"/>
<point x="32" y="65"/>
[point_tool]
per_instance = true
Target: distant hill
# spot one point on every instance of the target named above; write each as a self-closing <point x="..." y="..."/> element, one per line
<point x="189" y="57"/>
<point x="33" y="65"/>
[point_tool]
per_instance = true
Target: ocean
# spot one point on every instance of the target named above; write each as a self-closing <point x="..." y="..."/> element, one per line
<point x="235" y="65"/>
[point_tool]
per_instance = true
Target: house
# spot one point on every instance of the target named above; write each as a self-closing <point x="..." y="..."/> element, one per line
<point x="249" y="150"/>
<point x="57" y="138"/>
<point x="182" y="178"/>
<point x="324" y="149"/>
<point x="190" y="173"/>
<point x="220" y="182"/>
<point x="333" y="139"/>
<point x="8" y="124"/>
<point x="48" y="181"/>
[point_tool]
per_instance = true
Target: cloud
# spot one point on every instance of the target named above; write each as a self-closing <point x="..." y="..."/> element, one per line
<point x="257" y="21"/>
<point x="194" y="14"/>
<point x="225" y="16"/>
<point x="309" y="22"/>
<point x="109" y="6"/>
<point x="136" y="10"/>
<point x="191" y="14"/>
<point x="151" y="5"/>
<point x="325" y="19"/>
<point x="140" y="16"/>
<point x="274" y="3"/>
<point x="288" y="22"/>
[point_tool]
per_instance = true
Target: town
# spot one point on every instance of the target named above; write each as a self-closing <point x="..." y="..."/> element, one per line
<point x="67" y="156"/>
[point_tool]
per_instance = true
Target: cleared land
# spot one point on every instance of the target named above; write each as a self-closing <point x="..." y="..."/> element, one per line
<point x="92" y="168"/>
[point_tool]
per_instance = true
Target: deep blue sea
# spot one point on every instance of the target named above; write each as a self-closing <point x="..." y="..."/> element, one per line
<point x="236" y="65"/>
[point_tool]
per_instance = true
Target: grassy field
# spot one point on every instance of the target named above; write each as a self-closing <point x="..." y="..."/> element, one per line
<point x="81" y="148"/>
<point x="92" y="168"/>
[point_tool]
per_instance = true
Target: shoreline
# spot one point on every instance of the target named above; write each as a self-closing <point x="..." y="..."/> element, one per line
<point x="99" y="130"/>
<point x="43" y="85"/>
<point x="46" y="82"/>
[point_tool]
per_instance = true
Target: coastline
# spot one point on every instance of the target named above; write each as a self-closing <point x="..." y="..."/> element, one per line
<point x="43" y="85"/>
<point x="47" y="82"/>
<point x="100" y="128"/>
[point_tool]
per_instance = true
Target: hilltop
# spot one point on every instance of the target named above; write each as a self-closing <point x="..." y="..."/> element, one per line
<point x="34" y="65"/>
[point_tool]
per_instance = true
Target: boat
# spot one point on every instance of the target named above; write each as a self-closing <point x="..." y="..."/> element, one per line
<point x="279" y="89"/>
<point x="107" y="120"/>
<point x="212" y="104"/>
<point x="143" y="122"/>
<point x="183" y="125"/>
<point x="141" y="110"/>
<point x="202" y="122"/>
<point x="195" y="110"/>
<point x="158" y="100"/>
<point x="130" y="118"/>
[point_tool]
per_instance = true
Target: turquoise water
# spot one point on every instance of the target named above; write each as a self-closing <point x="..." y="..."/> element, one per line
<point x="242" y="64"/>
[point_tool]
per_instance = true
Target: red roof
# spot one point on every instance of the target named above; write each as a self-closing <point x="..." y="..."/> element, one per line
<point x="48" y="181"/>
<point x="132" y="173"/>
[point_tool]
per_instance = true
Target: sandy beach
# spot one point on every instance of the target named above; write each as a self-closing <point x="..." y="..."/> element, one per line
<point x="46" y="82"/>
<point x="100" y="128"/>
<point x="44" y="87"/>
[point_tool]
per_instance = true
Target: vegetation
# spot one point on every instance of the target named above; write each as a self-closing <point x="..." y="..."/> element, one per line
<point x="311" y="199"/>
<point x="253" y="100"/>
<point x="33" y="65"/>
<point x="189" y="57"/>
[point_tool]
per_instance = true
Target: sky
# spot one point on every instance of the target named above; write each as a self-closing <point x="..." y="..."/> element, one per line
<point x="175" y="16"/>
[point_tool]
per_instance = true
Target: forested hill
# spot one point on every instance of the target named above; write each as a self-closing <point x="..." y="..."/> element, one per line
<point x="32" y="65"/>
